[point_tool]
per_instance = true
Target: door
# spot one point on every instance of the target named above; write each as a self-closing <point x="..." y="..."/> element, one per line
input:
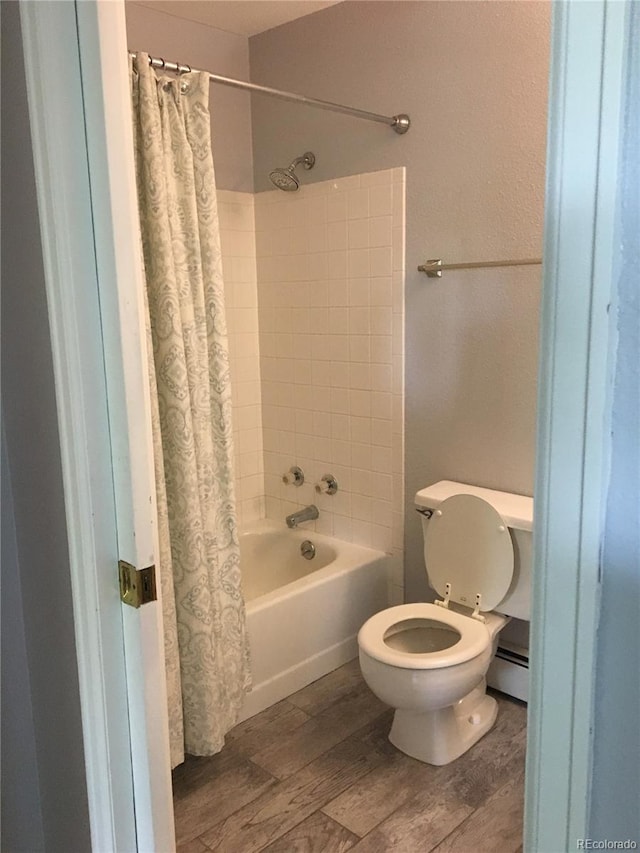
<point x="75" y="58"/>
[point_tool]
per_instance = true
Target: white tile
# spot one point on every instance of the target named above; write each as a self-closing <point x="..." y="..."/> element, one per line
<point x="339" y="401"/>
<point x="322" y="424"/>
<point x="302" y="345"/>
<point x="319" y="320"/>
<point x="337" y="236"/>
<point x="341" y="452"/>
<point x="361" y="507"/>
<point x="339" y="320"/>
<point x="361" y="531"/>
<point x="321" y="372"/>
<point x="340" y="375"/>
<point x="382" y="485"/>
<point x="359" y="348"/>
<point x="358" y="261"/>
<point x="380" y="201"/>
<point x="381" y="432"/>
<point x="360" y="481"/>
<point x="337" y="207"/>
<point x="360" y="403"/>
<point x="381" y="405"/>
<point x="342" y="528"/>
<point x="322" y="449"/>
<point x="318" y="266"/>
<point x="381" y="377"/>
<point x="341" y="426"/>
<point x="359" y="321"/>
<point x="398" y="250"/>
<point x="381" y="349"/>
<point x="316" y="211"/>
<point x="380" y="231"/>
<point x="319" y="294"/>
<point x="380" y="260"/>
<point x="358" y="234"/>
<point x="398" y="203"/>
<point x="381" y="319"/>
<point x="337" y="265"/>
<point x="381" y="460"/>
<point x="361" y="455"/>
<point x="338" y="293"/>
<point x="300" y="321"/>
<point x="358" y="203"/>
<point x="360" y="430"/>
<point x="338" y="346"/>
<point x="324" y="524"/>
<point x="341" y="502"/>
<point x="317" y="238"/>
<point x="302" y="374"/>
<point x="359" y="293"/>
<point x="381" y="538"/>
<point x="360" y="376"/>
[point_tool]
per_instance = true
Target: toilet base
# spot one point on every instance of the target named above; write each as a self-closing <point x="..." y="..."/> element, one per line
<point x="439" y="737"/>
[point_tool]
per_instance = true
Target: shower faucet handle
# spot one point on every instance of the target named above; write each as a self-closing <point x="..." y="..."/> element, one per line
<point x="294" y="476"/>
<point x="328" y="485"/>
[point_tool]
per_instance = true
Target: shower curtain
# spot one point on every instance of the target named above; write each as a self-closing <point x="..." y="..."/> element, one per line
<point x="206" y="649"/>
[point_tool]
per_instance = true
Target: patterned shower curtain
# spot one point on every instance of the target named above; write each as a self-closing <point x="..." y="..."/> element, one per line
<point x="206" y="649"/>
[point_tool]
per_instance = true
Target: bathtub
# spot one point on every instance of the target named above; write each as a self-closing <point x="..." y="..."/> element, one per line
<point x="303" y="615"/>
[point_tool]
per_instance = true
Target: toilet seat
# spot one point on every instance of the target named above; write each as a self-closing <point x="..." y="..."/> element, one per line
<point x="468" y="552"/>
<point x="474" y="637"/>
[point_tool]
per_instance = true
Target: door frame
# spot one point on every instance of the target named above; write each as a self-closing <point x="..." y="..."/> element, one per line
<point x="577" y="341"/>
<point x="85" y="180"/>
<point x="84" y="171"/>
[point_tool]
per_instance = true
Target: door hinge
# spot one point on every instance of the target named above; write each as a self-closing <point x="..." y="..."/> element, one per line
<point x="137" y="586"/>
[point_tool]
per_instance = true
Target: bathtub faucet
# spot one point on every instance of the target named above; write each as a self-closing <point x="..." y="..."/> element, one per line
<point x="309" y="513"/>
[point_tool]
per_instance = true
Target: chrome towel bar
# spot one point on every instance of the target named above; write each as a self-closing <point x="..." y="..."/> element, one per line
<point x="434" y="267"/>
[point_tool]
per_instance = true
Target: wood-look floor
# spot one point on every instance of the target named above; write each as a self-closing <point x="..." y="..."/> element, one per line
<point x="315" y="773"/>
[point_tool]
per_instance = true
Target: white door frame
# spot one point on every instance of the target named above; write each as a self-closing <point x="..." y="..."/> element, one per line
<point x="84" y="172"/>
<point x="573" y="402"/>
<point x="85" y="177"/>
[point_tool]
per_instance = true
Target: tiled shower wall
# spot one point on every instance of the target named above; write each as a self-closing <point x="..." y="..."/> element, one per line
<point x="237" y="236"/>
<point x="330" y="261"/>
<point x="314" y="288"/>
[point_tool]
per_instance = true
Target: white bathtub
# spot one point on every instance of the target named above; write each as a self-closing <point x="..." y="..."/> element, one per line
<point x="303" y="616"/>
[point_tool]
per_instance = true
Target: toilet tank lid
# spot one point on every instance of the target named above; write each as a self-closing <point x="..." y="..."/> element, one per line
<point x="516" y="510"/>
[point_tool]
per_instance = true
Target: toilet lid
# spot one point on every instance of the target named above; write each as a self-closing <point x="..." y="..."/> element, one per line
<point x="468" y="545"/>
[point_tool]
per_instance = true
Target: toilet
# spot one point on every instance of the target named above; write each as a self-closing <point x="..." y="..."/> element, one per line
<point x="429" y="661"/>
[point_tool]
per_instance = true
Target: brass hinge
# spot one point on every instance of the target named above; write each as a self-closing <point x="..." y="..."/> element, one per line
<point x="137" y="586"/>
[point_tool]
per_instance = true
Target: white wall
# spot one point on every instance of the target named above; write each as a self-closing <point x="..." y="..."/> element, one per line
<point x="473" y="77"/>
<point x="39" y="567"/>
<point x="209" y="49"/>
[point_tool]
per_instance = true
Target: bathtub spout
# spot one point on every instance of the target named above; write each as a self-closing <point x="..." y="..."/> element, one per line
<point x="309" y="513"/>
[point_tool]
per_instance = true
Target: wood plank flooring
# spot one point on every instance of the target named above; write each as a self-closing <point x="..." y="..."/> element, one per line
<point x="316" y="774"/>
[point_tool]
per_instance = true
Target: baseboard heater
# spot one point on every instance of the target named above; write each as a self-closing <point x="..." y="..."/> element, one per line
<point x="509" y="672"/>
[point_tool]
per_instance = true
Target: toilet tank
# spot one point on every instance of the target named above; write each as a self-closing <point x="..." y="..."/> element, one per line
<point x="517" y="512"/>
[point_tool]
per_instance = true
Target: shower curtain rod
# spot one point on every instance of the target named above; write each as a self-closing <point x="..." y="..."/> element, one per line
<point x="400" y="123"/>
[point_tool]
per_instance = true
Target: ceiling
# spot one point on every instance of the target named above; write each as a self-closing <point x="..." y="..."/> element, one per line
<point x="244" y="17"/>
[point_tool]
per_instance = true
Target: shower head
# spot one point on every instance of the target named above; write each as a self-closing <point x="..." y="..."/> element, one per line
<point x="286" y="179"/>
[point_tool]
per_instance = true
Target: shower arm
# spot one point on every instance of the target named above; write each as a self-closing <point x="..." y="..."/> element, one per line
<point x="399" y="123"/>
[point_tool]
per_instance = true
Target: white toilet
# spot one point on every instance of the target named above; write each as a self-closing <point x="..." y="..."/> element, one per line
<point x="429" y="661"/>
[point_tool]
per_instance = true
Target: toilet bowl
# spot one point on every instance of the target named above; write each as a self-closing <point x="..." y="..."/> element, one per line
<point x="429" y="661"/>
